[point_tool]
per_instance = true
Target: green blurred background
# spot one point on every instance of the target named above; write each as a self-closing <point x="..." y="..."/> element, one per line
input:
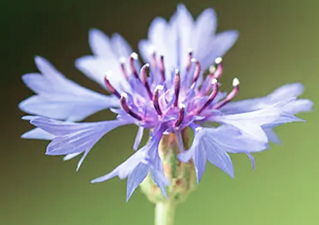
<point x="278" y="44"/>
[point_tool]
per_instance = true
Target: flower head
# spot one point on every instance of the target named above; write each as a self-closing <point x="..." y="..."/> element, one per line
<point x="166" y="95"/>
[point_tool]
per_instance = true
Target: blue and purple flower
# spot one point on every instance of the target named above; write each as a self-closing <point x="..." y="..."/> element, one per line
<point x="166" y="95"/>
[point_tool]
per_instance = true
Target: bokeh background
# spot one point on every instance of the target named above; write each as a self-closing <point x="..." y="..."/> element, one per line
<point x="278" y="44"/>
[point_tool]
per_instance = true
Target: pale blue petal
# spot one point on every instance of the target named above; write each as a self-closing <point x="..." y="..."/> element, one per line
<point x="71" y="156"/>
<point x="251" y="122"/>
<point x="217" y="46"/>
<point x="37" y="133"/>
<point x="215" y="144"/>
<point x="300" y="105"/>
<point x="135" y="178"/>
<point x="106" y="55"/>
<point x="60" y="98"/>
<point x="283" y="93"/>
<point x="174" y="39"/>
<point x="157" y="170"/>
<point x="100" y="44"/>
<point x="82" y="159"/>
<point x="252" y="160"/>
<point x="72" y="138"/>
<point x="233" y="140"/>
<point x="120" y="46"/>
<point x="138" y="138"/>
<point x="96" y="68"/>
<point x="123" y="170"/>
<point x="66" y="107"/>
<point x="272" y="136"/>
<point x="200" y="159"/>
<point x="180" y="140"/>
<point x="186" y="156"/>
<point x="216" y="155"/>
<point x="137" y="166"/>
<point x="160" y="180"/>
<point x="81" y="140"/>
<point x="183" y="26"/>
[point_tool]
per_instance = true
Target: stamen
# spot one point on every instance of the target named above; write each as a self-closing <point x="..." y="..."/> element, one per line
<point x="181" y="115"/>
<point x="217" y="69"/>
<point x="133" y="58"/>
<point x="127" y="108"/>
<point x="162" y="68"/>
<point x="177" y="86"/>
<point x="230" y="96"/>
<point x="197" y="70"/>
<point x="153" y="53"/>
<point x="207" y="85"/>
<point x="156" y="100"/>
<point x="109" y="85"/>
<point x="211" y="96"/>
<point x="122" y="62"/>
<point x="145" y="71"/>
<point x="154" y="64"/>
<point x="190" y="56"/>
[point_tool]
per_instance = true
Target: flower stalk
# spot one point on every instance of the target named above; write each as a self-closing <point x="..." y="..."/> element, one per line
<point x="165" y="213"/>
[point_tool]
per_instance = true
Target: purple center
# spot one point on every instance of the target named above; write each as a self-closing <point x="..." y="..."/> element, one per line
<point x="153" y="99"/>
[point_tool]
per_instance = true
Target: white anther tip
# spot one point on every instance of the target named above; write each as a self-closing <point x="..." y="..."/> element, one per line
<point x="214" y="81"/>
<point x="152" y="49"/>
<point x="147" y="65"/>
<point x="182" y="106"/>
<point x="193" y="60"/>
<point x="134" y="55"/>
<point x="122" y="60"/>
<point x="198" y="128"/>
<point x="108" y="74"/>
<point x="212" y="69"/>
<point x="159" y="87"/>
<point x="218" y="60"/>
<point x="190" y="50"/>
<point x="124" y="95"/>
<point x="176" y="71"/>
<point x="235" y="82"/>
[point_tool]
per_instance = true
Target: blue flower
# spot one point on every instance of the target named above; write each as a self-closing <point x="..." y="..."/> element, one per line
<point x="165" y="95"/>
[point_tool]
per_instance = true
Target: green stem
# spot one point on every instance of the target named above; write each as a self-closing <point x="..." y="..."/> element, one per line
<point x="165" y="213"/>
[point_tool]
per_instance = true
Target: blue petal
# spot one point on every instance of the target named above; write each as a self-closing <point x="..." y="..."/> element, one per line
<point x="138" y="138"/>
<point x="124" y="170"/>
<point x="216" y="46"/>
<point x="252" y="160"/>
<point x="215" y="152"/>
<point x="215" y="143"/>
<point x="300" y="105"/>
<point x="182" y="24"/>
<point x="135" y="178"/>
<point x="71" y="156"/>
<point x="251" y="122"/>
<point x="200" y="159"/>
<point x="37" y="133"/>
<point x="160" y="180"/>
<point x="60" y="98"/>
<point x="100" y="44"/>
<point x="272" y="136"/>
<point x="137" y="166"/>
<point x="72" y="138"/>
<point x="173" y="40"/>
<point x="106" y="58"/>
<point x="283" y="93"/>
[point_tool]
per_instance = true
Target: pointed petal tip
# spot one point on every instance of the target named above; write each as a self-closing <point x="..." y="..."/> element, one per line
<point x="181" y="6"/>
<point x="29" y="117"/>
<point x="97" y="180"/>
<point x="38" y="59"/>
<point x="94" y="31"/>
<point x="198" y="179"/>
